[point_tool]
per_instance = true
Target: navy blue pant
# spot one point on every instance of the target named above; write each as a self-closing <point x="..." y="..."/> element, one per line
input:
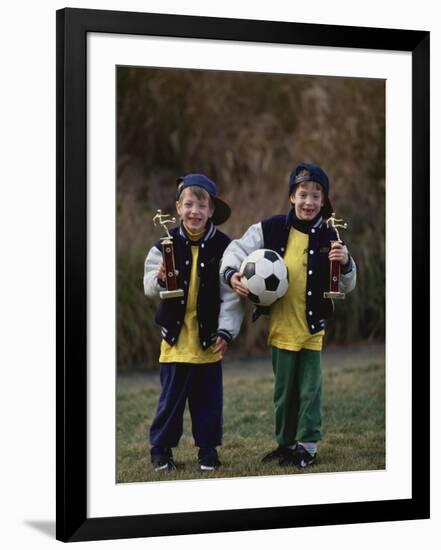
<point x="202" y="386"/>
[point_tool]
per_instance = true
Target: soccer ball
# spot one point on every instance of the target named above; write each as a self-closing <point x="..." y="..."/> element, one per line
<point x="265" y="275"/>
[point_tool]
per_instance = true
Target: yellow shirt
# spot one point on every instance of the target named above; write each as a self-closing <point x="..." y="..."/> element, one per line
<point x="287" y="325"/>
<point x="188" y="347"/>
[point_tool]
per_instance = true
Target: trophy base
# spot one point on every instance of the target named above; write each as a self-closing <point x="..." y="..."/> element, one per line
<point x="165" y="294"/>
<point x="334" y="295"/>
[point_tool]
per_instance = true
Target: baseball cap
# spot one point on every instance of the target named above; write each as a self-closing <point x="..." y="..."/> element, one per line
<point x="221" y="209"/>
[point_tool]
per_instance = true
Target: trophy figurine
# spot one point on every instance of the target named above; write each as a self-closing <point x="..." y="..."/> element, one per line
<point x="171" y="281"/>
<point x="334" y="292"/>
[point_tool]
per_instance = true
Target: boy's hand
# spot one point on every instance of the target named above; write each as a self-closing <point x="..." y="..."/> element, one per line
<point x="160" y="274"/>
<point x="220" y="346"/>
<point x="238" y="286"/>
<point x="339" y="253"/>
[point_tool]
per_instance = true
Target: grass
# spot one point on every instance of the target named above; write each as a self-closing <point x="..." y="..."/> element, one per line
<point x="353" y="414"/>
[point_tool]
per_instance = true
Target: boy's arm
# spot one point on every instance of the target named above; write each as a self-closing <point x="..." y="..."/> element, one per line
<point x="348" y="276"/>
<point x="239" y="249"/>
<point x="151" y="265"/>
<point x="348" y="270"/>
<point x="232" y="308"/>
<point x="231" y="312"/>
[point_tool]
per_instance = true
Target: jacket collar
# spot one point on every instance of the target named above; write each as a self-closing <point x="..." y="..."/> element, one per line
<point x="209" y="233"/>
<point x="304" y="227"/>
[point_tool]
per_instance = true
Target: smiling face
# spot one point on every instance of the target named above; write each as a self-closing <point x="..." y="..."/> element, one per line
<point x="307" y="199"/>
<point x="194" y="208"/>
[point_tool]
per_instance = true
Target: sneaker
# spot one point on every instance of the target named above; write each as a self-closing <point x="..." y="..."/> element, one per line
<point x="208" y="460"/>
<point x="277" y="454"/>
<point x="162" y="458"/>
<point x="299" y="457"/>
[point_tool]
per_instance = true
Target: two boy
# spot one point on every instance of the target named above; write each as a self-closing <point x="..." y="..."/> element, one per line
<point x="297" y="320"/>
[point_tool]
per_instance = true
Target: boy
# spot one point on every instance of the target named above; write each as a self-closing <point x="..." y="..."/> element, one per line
<point x="297" y="320"/>
<point x="195" y="328"/>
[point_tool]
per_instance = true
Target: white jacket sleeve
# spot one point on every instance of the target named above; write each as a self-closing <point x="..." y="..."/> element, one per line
<point x="151" y="264"/>
<point x="232" y="306"/>
<point x="231" y="310"/>
<point x="349" y="279"/>
<point x="239" y="249"/>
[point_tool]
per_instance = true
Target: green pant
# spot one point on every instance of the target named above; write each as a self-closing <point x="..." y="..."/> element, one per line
<point x="298" y="389"/>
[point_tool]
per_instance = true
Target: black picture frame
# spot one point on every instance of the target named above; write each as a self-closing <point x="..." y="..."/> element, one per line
<point x="73" y="25"/>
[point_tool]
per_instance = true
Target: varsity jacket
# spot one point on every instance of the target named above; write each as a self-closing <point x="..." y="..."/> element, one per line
<point x="219" y="312"/>
<point x="273" y="234"/>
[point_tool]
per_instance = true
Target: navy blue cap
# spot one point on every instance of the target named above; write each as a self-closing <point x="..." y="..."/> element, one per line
<point x="316" y="174"/>
<point x="221" y="209"/>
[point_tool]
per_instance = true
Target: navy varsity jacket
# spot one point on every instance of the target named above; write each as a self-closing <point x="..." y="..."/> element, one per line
<point x="273" y="233"/>
<point x="170" y="313"/>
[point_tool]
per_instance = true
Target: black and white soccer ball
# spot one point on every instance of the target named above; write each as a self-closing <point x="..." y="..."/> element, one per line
<point x="265" y="275"/>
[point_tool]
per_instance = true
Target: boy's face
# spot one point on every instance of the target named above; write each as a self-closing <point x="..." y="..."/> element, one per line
<point x="307" y="199"/>
<point x="194" y="211"/>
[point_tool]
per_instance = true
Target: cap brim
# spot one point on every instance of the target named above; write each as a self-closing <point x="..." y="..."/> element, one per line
<point x="221" y="211"/>
<point x="327" y="209"/>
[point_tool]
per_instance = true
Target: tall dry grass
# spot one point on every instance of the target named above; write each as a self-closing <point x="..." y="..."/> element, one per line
<point x="247" y="132"/>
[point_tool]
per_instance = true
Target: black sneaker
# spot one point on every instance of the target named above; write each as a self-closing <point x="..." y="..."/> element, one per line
<point x="277" y="454"/>
<point x="299" y="457"/>
<point x="208" y="460"/>
<point x="162" y="458"/>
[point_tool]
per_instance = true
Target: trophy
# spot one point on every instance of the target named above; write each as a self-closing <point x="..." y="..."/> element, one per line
<point x="334" y="281"/>
<point x="171" y="281"/>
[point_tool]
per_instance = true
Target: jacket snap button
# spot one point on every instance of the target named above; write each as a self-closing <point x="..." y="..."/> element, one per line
<point x="202" y="264"/>
<point x="310" y="272"/>
<point x="309" y="312"/>
<point x="311" y="251"/>
<point x="309" y="293"/>
<point x="313" y="327"/>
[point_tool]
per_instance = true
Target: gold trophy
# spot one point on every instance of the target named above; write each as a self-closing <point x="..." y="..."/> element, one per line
<point x="334" y="291"/>
<point x="171" y="281"/>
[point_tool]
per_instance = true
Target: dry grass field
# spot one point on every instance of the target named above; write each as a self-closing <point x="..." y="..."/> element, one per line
<point x="353" y="414"/>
